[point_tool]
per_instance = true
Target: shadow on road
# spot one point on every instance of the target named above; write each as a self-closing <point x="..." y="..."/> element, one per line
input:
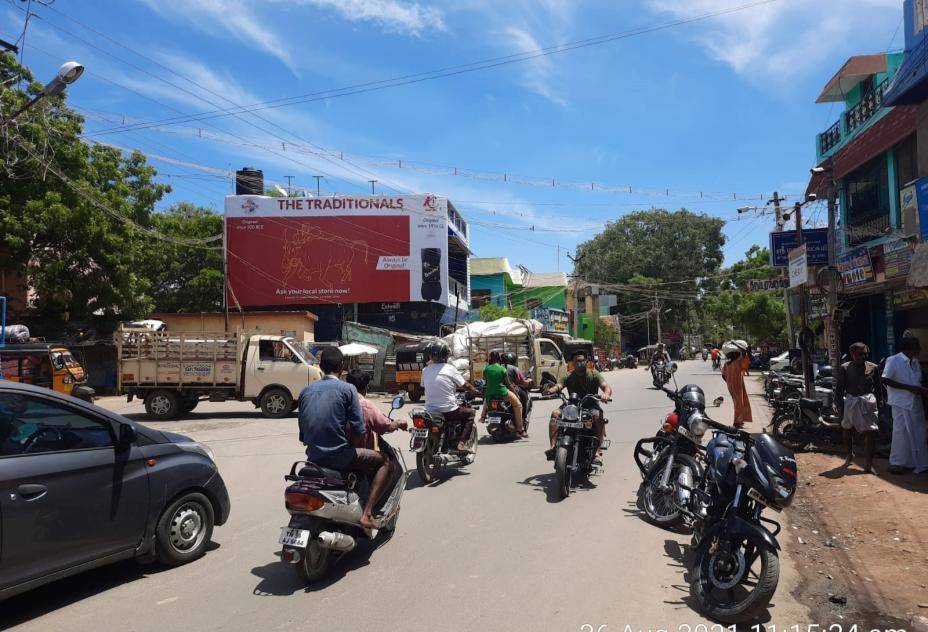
<point x="280" y="579"/>
<point x="547" y="483"/>
<point x="446" y="474"/>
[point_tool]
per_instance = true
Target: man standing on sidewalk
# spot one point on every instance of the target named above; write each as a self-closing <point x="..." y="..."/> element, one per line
<point x="903" y="379"/>
<point x="855" y="399"/>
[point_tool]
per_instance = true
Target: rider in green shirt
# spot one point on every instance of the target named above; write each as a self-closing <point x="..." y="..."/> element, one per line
<point x="499" y="387"/>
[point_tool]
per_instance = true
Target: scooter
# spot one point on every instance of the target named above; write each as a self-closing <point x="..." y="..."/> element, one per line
<point x="325" y="509"/>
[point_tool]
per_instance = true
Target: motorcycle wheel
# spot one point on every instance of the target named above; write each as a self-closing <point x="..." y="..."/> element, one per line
<point x="659" y="506"/>
<point x="736" y="589"/>
<point x="472" y="443"/>
<point x="786" y="431"/>
<point x="425" y="463"/>
<point x="315" y="561"/>
<point x="562" y="476"/>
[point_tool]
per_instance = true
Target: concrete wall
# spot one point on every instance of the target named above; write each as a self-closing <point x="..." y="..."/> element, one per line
<point x="496" y="283"/>
<point x="296" y="324"/>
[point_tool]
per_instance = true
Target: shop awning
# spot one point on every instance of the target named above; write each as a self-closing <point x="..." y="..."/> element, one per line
<point x="854" y="70"/>
<point x="910" y="86"/>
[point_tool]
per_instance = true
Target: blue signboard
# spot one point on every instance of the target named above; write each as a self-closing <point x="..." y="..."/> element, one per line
<point x="921" y="194"/>
<point x="815" y="239"/>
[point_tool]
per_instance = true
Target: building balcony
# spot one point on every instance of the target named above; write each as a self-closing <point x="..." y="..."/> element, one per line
<point x="852" y="122"/>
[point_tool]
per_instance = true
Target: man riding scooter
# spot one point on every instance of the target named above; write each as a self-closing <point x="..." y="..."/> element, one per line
<point x="581" y="382"/>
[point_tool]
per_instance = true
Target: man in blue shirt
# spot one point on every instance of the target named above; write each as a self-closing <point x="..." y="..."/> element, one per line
<point x="327" y="407"/>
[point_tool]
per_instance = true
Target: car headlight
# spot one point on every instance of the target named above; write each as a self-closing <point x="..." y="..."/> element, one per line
<point x="198" y="448"/>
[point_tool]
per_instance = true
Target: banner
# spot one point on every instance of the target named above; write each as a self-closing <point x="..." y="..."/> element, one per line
<point x="763" y="285"/>
<point x="856" y="268"/>
<point x="897" y="257"/>
<point x="345" y="249"/>
<point x="815" y="240"/>
<point x="798" y="266"/>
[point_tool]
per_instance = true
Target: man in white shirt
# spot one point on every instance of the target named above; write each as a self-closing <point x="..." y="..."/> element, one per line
<point x="441" y="382"/>
<point x="904" y="391"/>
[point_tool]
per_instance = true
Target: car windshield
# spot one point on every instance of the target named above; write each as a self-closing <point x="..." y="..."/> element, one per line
<point x="64" y="359"/>
<point x="299" y="348"/>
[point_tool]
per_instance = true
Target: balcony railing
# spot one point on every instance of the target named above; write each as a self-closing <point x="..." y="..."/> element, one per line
<point x="830" y="137"/>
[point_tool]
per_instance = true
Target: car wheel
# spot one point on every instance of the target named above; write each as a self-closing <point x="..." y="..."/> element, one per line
<point x="162" y="405"/>
<point x="276" y="403"/>
<point x="184" y="529"/>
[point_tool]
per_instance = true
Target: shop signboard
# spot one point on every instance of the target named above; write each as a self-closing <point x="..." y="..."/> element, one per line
<point x="897" y="255"/>
<point x="798" y="266"/>
<point x="921" y="194"/>
<point x="910" y="297"/>
<point x="344" y="249"/>
<point x="551" y="319"/>
<point x="856" y="268"/>
<point x="763" y="285"/>
<point x="815" y="240"/>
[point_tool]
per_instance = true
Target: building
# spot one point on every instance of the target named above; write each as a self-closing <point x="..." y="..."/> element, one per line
<point x="15" y="287"/>
<point x="871" y="158"/>
<point x="544" y="295"/>
<point x="300" y="325"/>
<point x="493" y="281"/>
<point x="398" y="262"/>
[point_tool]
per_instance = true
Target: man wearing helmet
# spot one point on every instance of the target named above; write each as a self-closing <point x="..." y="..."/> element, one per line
<point x="659" y="355"/>
<point x="582" y="382"/>
<point x="441" y="382"/>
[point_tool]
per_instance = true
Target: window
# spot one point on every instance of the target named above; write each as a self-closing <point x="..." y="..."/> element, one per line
<point x="30" y="425"/>
<point x="549" y="349"/>
<point x="479" y="298"/>
<point x="868" y="201"/>
<point x="274" y="351"/>
<point x="906" y="162"/>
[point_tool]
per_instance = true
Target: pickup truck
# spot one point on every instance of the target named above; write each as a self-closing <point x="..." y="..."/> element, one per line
<point x="539" y="358"/>
<point x="172" y="372"/>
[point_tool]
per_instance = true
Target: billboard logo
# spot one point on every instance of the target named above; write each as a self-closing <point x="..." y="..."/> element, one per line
<point x="249" y="206"/>
<point x="430" y="203"/>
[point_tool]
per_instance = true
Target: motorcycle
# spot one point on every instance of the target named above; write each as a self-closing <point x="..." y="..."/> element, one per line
<point x="705" y="355"/>
<point x="325" y="508"/>
<point x="501" y="424"/>
<point x="435" y="444"/>
<point x="804" y="421"/>
<point x="575" y="443"/>
<point x="630" y="362"/>
<point x="736" y="564"/>
<point x="661" y="372"/>
<point x="674" y="465"/>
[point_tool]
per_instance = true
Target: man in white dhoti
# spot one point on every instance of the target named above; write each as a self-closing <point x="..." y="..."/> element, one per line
<point x="902" y="376"/>
<point x="855" y="400"/>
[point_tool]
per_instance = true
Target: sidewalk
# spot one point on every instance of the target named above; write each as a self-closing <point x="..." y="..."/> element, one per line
<point x="860" y="541"/>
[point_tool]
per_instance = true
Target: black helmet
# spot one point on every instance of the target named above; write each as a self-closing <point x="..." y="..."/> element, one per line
<point x="693" y="395"/>
<point x="438" y="351"/>
<point x="510" y="358"/>
<point x="826" y="371"/>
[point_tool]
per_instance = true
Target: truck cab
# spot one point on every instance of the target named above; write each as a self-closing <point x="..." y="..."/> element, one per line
<point x="276" y="369"/>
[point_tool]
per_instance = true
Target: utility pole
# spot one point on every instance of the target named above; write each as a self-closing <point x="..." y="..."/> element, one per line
<point x="373" y="182"/>
<point x="778" y="211"/>
<point x="834" y="329"/>
<point x="657" y="313"/>
<point x="576" y="280"/>
<point x="289" y="186"/>
<point x="318" y="178"/>
<point x="803" y="316"/>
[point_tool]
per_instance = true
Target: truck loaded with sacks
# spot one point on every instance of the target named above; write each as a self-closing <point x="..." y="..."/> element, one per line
<point x="173" y="372"/>
<point x="539" y="358"/>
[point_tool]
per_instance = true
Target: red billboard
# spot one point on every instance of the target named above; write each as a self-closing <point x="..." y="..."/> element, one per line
<point x="293" y="251"/>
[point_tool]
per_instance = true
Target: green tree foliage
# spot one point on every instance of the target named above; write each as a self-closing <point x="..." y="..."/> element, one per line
<point x="189" y="279"/>
<point x="493" y="312"/>
<point x="605" y="336"/>
<point x="757" y="315"/>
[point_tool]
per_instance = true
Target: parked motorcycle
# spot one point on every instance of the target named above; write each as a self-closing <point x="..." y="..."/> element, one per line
<point x="325" y="508"/>
<point x="501" y="422"/>
<point x="736" y="564"/>
<point x="576" y="443"/>
<point x="436" y="444"/>
<point x="630" y="361"/>
<point x="705" y="355"/>
<point x="661" y="372"/>
<point x="805" y="421"/>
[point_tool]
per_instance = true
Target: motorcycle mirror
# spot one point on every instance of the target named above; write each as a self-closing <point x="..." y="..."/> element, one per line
<point x="397" y="402"/>
<point x="718" y="401"/>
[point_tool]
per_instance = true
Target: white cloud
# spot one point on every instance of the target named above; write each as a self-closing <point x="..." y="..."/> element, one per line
<point x="392" y="15"/>
<point x="775" y="43"/>
<point x="538" y="74"/>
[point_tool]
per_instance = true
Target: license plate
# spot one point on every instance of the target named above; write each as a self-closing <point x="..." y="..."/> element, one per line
<point x="294" y="537"/>
<point x="494" y="420"/>
<point x="419" y="433"/>
<point x="606" y="444"/>
<point x="570" y="424"/>
<point x="685" y="432"/>
<point x="756" y="495"/>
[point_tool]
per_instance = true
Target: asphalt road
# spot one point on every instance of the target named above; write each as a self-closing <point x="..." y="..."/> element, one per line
<point x="487" y="548"/>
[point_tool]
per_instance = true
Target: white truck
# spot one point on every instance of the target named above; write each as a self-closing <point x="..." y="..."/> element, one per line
<point x="172" y="372"/>
<point x="540" y="359"/>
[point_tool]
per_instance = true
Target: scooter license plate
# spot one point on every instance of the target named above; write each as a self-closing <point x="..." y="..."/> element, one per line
<point x="294" y="537"/>
<point x="419" y="433"/>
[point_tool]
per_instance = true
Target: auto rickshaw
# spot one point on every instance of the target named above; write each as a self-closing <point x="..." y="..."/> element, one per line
<point x="48" y="365"/>
<point x="410" y="360"/>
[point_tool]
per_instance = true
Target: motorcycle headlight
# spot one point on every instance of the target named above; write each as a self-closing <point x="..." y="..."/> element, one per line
<point x="698" y="425"/>
<point x="570" y="413"/>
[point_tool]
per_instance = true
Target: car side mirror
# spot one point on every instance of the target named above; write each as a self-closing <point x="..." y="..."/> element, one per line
<point x="127" y="436"/>
<point x="397" y="402"/>
<point x="718" y="401"/>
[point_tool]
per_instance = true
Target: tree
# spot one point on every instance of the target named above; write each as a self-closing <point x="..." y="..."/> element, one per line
<point x="494" y="312"/>
<point x="605" y="336"/>
<point x="67" y="211"/>
<point x="189" y="279"/>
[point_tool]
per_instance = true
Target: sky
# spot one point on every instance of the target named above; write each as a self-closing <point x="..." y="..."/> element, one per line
<point x="711" y="115"/>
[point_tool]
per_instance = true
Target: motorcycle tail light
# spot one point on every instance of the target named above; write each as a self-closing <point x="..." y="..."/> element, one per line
<point x="302" y="502"/>
<point x="789" y="472"/>
<point x="419" y="422"/>
<point x="671" y="421"/>
<point x="494" y="405"/>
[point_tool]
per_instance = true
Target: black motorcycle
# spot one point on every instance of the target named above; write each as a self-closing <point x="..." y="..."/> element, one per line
<point x="800" y="422"/>
<point x="661" y="372"/>
<point x="630" y="362"/>
<point x="576" y="442"/>
<point x="435" y="443"/>
<point x="736" y="564"/>
<point x="501" y="422"/>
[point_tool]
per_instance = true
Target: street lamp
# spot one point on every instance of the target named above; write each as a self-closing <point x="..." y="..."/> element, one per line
<point x="69" y="72"/>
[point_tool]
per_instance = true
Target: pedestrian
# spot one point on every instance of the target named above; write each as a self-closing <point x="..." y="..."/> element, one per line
<point x="733" y="373"/>
<point x="855" y="399"/>
<point x="904" y="391"/>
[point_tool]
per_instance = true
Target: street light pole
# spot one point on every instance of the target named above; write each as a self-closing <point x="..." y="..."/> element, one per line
<point x="834" y="330"/>
<point x="803" y="315"/>
<point x="68" y="73"/>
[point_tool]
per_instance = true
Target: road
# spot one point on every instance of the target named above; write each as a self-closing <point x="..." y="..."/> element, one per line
<point x="487" y="548"/>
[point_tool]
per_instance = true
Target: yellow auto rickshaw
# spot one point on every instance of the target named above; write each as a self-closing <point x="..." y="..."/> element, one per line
<point x="410" y="360"/>
<point x="43" y="364"/>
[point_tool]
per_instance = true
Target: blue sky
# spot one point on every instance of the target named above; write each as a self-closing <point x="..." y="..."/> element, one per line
<point x="723" y="106"/>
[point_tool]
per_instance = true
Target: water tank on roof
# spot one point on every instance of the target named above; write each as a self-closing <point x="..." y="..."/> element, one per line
<point x="249" y="181"/>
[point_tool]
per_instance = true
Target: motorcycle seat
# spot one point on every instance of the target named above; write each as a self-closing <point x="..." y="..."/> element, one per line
<point x="810" y="404"/>
<point x="312" y="471"/>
